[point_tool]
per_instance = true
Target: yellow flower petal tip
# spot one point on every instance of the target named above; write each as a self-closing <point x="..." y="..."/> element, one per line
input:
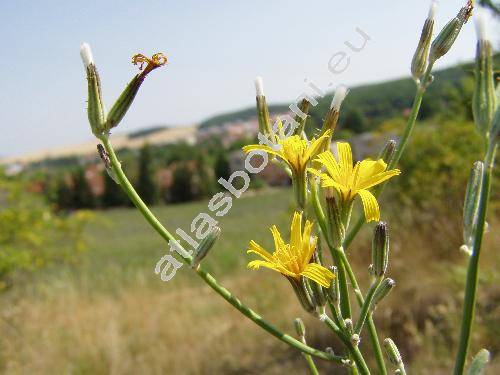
<point x="352" y="180"/>
<point x="292" y="259"/>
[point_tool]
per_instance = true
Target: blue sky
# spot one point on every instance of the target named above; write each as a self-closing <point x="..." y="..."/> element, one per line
<point x="215" y="50"/>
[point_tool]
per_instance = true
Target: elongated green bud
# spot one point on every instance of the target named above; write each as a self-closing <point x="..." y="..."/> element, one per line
<point x="127" y="96"/>
<point x="420" y="58"/>
<point x="304" y="106"/>
<point x="300" y="328"/>
<point x="262" y="109"/>
<point x="95" y="107"/>
<point x="380" y="250"/>
<point x="484" y="98"/>
<point x="332" y="117"/>
<point x="388" y="151"/>
<point x="334" y="217"/>
<point x="382" y="291"/>
<point x="392" y="352"/>
<point x="445" y="39"/>
<point x="204" y="246"/>
<point x="471" y="203"/>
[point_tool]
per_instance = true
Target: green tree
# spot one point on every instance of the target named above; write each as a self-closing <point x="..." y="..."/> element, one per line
<point x="146" y="185"/>
<point x="221" y="167"/>
<point x="113" y="195"/>
<point x="82" y="195"/>
<point x="355" y="121"/>
<point x="32" y="235"/>
<point x="205" y="181"/>
<point x="182" y="189"/>
<point x="63" y="195"/>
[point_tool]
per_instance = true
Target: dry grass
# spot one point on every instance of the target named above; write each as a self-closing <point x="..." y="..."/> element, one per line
<point x="109" y="322"/>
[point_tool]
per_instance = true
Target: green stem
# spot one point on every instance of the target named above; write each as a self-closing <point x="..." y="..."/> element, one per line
<point x="261" y="322"/>
<point x="318" y="210"/>
<point x="320" y="216"/>
<point x="311" y="364"/>
<point x="410" y="124"/>
<point x="372" y="330"/>
<point x="353" y="349"/>
<point x="345" y="304"/>
<point x="209" y="279"/>
<point x="309" y="360"/>
<point x="377" y="350"/>
<point x="132" y="194"/>
<point x="365" y="309"/>
<point x="473" y="268"/>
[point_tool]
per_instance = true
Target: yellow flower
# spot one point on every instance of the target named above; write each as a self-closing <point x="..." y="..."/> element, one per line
<point x="294" y="151"/>
<point x="350" y="181"/>
<point x="292" y="260"/>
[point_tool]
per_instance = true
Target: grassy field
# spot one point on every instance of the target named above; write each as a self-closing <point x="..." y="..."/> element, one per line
<point x="110" y="314"/>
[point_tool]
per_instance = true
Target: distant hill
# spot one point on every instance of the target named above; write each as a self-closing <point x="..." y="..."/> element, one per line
<point x="158" y="135"/>
<point x="243" y="114"/>
<point x="377" y="102"/>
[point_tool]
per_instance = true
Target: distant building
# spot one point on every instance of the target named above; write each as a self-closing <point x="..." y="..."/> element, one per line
<point x="95" y="179"/>
<point x="232" y="131"/>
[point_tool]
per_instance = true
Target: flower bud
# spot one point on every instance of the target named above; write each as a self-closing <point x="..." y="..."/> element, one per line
<point x="445" y="39"/>
<point x="262" y="109"/>
<point x="471" y="203"/>
<point x="479" y="362"/>
<point x="420" y="58"/>
<point x="299" y="327"/>
<point x="388" y="151"/>
<point x="380" y="250"/>
<point x="127" y="96"/>
<point x="332" y="116"/>
<point x="334" y="217"/>
<point x="95" y="104"/>
<point x="349" y="326"/>
<point x="204" y="246"/>
<point x="484" y="98"/>
<point x="304" y="106"/>
<point x="382" y="291"/>
<point x="392" y="352"/>
<point x="355" y="339"/>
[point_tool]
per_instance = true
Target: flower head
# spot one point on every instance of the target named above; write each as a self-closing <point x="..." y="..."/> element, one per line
<point x="294" y="151"/>
<point x="292" y="260"/>
<point x="351" y="180"/>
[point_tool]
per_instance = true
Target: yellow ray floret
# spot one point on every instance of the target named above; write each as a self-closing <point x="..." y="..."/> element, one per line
<point x="292" y="259"/>
<point x="351" y="180"/>
<point x="294" y="151"/>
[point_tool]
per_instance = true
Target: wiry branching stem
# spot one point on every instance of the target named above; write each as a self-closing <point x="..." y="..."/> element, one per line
<point x="473" y="268"/>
